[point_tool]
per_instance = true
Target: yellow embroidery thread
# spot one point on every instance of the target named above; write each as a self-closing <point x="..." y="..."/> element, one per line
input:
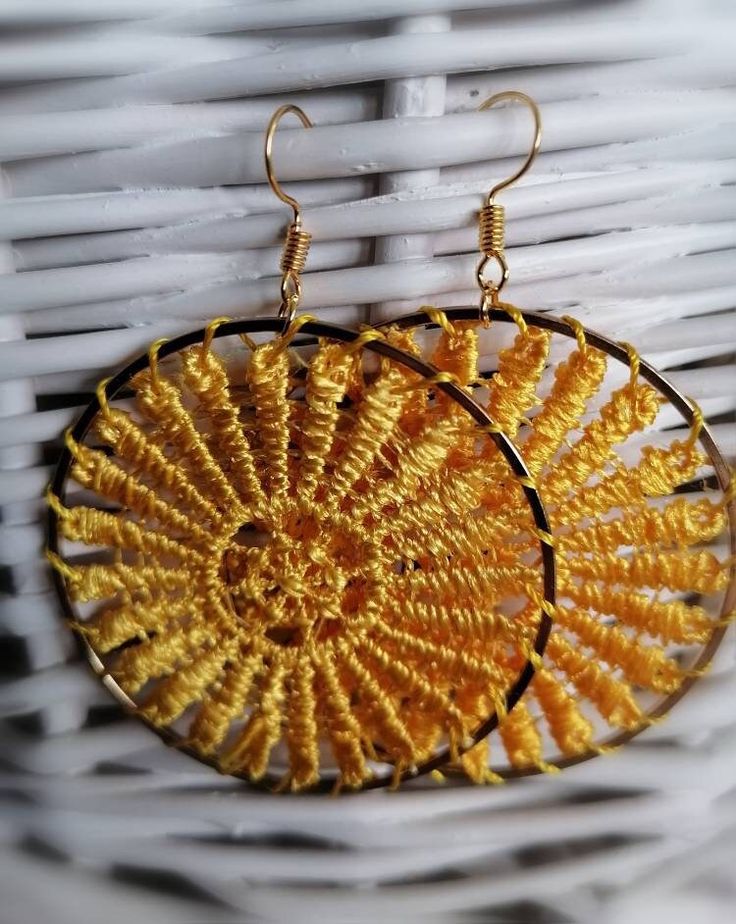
<point x="334" y="558"/>
<point x="281" y="578"/>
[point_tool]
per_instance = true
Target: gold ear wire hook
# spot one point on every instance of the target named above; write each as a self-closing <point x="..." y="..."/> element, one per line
<point x="492" y="220"/>
<point x="296" y="244"/>
<point x="528" y="101"/>
<point x="268" y="155"/>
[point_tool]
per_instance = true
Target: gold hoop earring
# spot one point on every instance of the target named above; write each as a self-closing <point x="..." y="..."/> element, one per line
<point x="643" y="526"/>
<point x="238" y="527"/>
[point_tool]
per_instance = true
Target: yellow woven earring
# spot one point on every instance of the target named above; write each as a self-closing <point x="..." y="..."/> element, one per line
<point x="643" y="520"/>
<point x="271" y="539"/>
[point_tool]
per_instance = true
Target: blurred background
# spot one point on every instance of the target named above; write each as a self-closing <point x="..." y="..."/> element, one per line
<point x="133" y="204"/>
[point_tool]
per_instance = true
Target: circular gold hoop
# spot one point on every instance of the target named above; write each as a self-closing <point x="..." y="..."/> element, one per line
<point x="309" y="329"/>
<point x="624" y="354"/>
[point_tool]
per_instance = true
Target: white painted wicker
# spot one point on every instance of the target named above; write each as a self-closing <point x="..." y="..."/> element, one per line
<point x="135" y="203"/>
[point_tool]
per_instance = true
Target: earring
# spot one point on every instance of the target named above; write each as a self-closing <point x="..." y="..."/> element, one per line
<point x="643" y="519"/>
<point x="270" y="537"/>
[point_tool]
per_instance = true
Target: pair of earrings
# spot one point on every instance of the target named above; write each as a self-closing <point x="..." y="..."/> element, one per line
<point x="325" y="558"/>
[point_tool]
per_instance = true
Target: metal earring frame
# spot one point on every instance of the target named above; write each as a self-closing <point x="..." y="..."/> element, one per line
<point x="724" y="476"/>
<point x="310" y="330"/>
<point x="491" y="309"/>
<point x="313" y="330"/>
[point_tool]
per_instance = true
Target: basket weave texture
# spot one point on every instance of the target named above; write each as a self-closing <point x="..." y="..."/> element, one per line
<point x="135" y="207"/>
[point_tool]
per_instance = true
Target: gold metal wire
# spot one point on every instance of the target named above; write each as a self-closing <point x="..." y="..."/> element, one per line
<point x="492" y="219"/>
<point x="296" y="249"/>
<point x="297" y="240"/>
<point x="268" y="154"/>
<point x="491" y="228"/>
<point x="520" y="97"/>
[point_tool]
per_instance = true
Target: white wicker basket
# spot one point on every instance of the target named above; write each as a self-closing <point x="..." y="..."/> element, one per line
<point x="135" y="203"/>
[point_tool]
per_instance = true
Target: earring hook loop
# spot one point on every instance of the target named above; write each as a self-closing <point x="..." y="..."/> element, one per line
<point x="520" y="97"/>
<point x="297" y="240"/>
<point x="268" y="155"/>
<point x="492" y="219"/>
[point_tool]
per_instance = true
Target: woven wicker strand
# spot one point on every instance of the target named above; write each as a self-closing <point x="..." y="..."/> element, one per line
<point x="130" y="217"/>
